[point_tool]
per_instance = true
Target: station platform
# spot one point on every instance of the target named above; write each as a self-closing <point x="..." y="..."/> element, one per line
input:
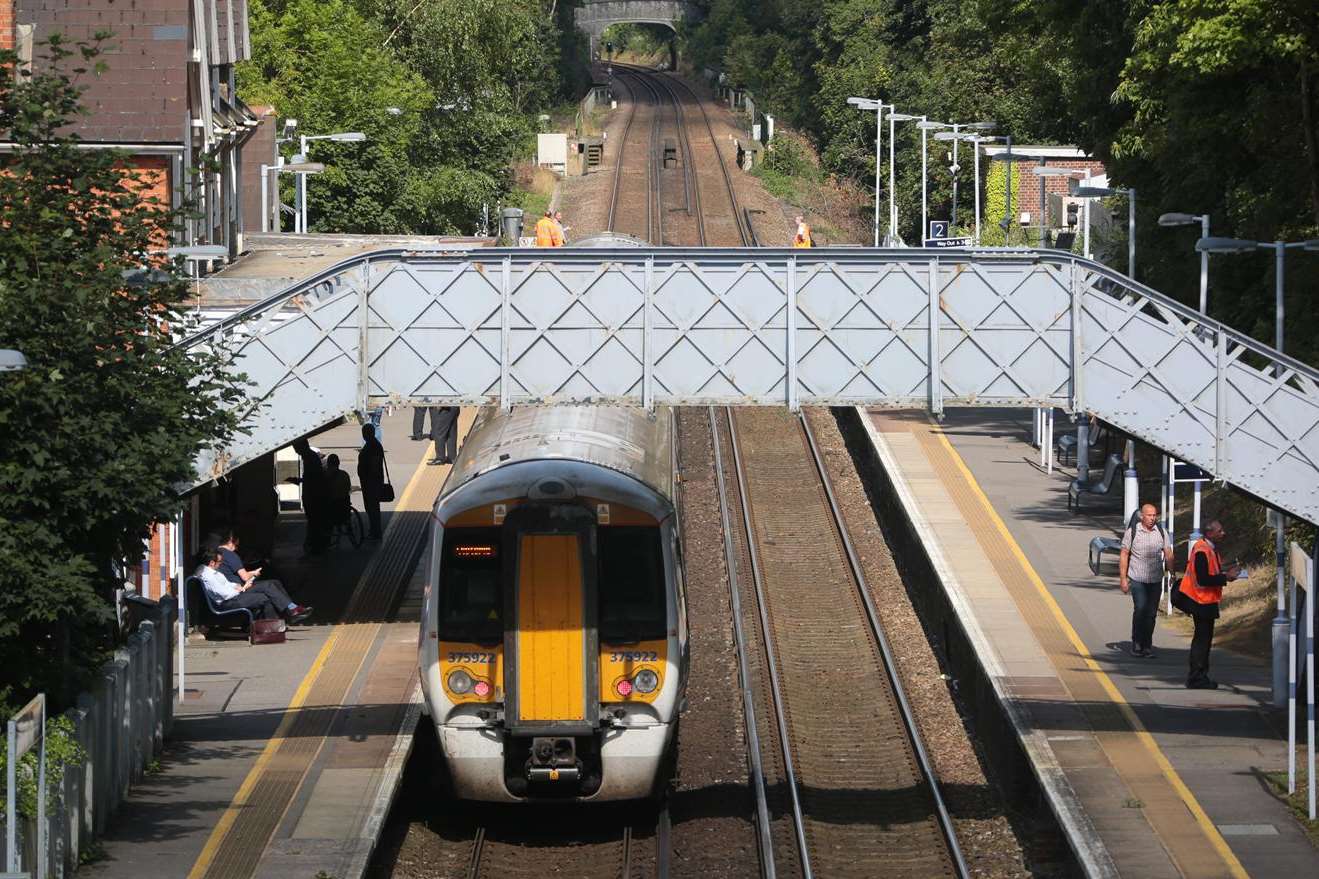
<point x="284" y="758"/>
<point x="1147" y="779"/>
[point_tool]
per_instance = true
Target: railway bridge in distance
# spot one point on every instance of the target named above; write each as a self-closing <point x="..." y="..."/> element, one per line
<point x="594" y="16"/>
<point x="907" y="328"/>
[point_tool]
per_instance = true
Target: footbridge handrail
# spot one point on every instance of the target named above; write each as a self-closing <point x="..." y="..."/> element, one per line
<point x="766" y="326"/>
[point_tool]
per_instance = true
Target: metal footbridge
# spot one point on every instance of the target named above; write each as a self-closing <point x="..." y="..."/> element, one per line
<point x="907" y="328"/>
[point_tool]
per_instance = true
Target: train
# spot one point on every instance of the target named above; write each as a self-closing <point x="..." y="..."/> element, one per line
<point x="553" y="649"/>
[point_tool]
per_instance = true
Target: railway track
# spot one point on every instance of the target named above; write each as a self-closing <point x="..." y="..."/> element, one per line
<point x="848" y="786"/>
<point x="614" y="843"/>
<point x="632" y="192"/>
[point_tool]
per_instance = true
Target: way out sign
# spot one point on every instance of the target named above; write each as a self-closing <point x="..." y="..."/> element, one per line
<point x="938" y="235"/>
<point x="1183" y="472"/>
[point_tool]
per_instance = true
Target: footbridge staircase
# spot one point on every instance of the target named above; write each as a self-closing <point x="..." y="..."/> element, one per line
<point x="906" y="328"/>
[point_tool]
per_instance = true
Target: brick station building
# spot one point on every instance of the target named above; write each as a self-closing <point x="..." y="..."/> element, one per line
<point x="1031" y="193"/>
<point x="167" y="97"/>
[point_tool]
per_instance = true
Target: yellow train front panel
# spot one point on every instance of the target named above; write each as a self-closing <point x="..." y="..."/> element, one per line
<point x="551" y="652"/>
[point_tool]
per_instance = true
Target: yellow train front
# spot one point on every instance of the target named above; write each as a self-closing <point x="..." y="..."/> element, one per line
<point x="553" y="646"/>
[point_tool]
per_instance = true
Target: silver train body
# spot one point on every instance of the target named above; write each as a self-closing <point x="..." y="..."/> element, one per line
<point x="553" y="644"/>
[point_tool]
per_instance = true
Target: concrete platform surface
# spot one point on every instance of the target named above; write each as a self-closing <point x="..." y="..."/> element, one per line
<point x="1149" y="778"/>
<point x="284" y="758"/>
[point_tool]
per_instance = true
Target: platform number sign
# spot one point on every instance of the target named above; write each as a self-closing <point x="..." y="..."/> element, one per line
<point x="939" y="229"/>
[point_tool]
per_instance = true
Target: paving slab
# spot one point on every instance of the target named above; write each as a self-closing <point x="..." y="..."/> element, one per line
<point x="1170" y="780"/>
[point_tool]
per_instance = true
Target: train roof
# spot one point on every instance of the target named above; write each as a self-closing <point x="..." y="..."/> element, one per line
<point x="624" y="439"/>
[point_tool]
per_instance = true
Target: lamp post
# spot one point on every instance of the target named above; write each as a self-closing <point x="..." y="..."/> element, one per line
<point x="1089" y="192"/>
<point x="1176" y="219"/>
<point x="878" y="106"/>
<point x="1281" y="623"/>
<point x="892" y="174"/>
<point x="926" y="126"/>
<point x="957" y="136"/>
<point x="303" y="141"/>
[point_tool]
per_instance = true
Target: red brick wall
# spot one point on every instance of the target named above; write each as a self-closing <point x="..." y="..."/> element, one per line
<point x="6" y="24"/>
<point x="1026" y="196"/>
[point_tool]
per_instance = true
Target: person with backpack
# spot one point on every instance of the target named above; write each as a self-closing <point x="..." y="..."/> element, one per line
<point x="1146" y="553"/>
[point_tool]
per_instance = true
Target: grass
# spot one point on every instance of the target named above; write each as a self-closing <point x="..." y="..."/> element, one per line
<point x="791" y="173"/>
<point x="1298" y="802"/>
<point x="533" y="189"/>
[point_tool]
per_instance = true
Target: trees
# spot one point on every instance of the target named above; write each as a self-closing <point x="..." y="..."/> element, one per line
<point x="109" y="415"/>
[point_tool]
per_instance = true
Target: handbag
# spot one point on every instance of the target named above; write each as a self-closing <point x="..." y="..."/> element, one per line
<point x="387" y="488"/>
<point x="266" y="632"/>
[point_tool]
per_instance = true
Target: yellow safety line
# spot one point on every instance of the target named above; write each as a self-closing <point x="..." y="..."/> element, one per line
<point x="1188" y="799"/>
<point x="226" y="822"/>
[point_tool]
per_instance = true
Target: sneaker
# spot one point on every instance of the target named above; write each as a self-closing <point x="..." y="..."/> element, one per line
<point x="1149" y="653"/>
<point x="435" y="461"/>
<point x="299" y="613"/>
<point x="1204" y="684"/>
<point x="417" y="436"/>
<point x="1140" y="652"/>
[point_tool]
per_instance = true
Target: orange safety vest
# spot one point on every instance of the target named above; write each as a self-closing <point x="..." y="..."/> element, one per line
<point x="803" y="236"/>
<point x="544" y="232"/>
<point x="1192" y="588"/>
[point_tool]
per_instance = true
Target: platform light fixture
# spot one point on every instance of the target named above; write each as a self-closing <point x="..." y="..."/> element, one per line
<point x="867" y="104"/>
<point x="301" y="158"/>
<point x="1130" y="193"/>
<point x="1074" y="173"/>
<point x="892" y="174"/>
<point x="1173" y="219"/>
<point x="12" y="361"/>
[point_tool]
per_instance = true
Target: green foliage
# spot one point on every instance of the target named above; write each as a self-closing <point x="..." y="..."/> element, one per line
<point x="466" y="81"/>
<point x="109" y="416"/>
<point x="640" y="40"/>
<point x="1200" y="105"/>
<point x="995" y="205"/>
<point x="62" y="752"/>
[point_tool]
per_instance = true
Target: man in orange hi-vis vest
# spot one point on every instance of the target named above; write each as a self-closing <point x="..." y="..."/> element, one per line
<point x="546" y="230"/>
<point x="1200" y="592"/>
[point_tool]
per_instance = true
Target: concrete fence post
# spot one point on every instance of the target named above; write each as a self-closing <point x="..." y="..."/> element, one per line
<point x="103" y="771"/>
<point x="85" y="731"/>
<point x="121" y="729"/>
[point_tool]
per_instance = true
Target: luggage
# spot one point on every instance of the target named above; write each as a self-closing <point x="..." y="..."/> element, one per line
<point x="267" y="632"/>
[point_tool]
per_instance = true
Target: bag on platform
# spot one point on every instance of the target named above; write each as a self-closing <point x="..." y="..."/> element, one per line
<point x="386" y="489"/>
<point x="267" y="632"/>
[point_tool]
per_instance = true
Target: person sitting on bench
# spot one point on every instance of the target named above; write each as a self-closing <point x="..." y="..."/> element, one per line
<point x="265" y="598"/>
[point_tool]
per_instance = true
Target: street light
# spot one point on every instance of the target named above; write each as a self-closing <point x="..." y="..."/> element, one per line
<point x="1130" y="193"/>
<point x="303" y="141"/>
<point x="878" y="107"/>
<point x="956" y="136"/>
<point x="299" y="168"/>
<point x="975" y="140"/>
<point x="892" y="176"/>
<point x="1207" y="245"/>
<point x="1074" y="173"/>
<point x="1176" y="219"/>
<point x="12" y="361"/>
<point x="926" y="126"/>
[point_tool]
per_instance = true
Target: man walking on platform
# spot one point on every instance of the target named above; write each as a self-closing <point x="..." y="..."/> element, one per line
<point x="1146" y="549"/>
<point x="371" y="476"/>
<point x="1198" y="595"/>
<point x="444" y="431"/>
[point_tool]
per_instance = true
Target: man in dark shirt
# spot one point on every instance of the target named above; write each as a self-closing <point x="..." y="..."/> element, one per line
<point x="314" y="494"/>
<point x="235" y="570"/>
<point x="371" y="476"/>
<point x="1199" y="594"/>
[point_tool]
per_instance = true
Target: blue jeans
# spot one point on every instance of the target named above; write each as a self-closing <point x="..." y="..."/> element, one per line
<point x="1145" y="601"/>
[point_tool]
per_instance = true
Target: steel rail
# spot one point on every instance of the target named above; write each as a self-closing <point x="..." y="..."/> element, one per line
<point x="618" y="165"/>
<point x="890" y="665"/>
<point x="776" y="686"/>
<point x="743" y="670"/>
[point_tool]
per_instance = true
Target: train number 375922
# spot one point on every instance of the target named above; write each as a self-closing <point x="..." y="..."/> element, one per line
<point x="470" y="657"/>
<point x="634" y="656"/>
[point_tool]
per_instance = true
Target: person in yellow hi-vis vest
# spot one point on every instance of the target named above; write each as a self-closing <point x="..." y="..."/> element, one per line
<point x="546" y="231"/>
<point x="803" y="236"/>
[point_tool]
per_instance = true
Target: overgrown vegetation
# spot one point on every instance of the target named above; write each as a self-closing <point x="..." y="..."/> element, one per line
<point x="447" y="93"/>
<point x="108" y="416"/>
<point x="1201" y="105"/>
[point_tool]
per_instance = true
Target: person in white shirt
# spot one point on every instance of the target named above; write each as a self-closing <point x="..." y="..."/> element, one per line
<point x="264" y="598"/>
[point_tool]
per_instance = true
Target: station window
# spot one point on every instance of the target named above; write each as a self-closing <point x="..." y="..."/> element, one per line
<point x="631" y="584"/>
<point x="471" y="589"/>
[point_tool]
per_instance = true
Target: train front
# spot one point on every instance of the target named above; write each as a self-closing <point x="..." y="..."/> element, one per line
<point x="553" y="642"/>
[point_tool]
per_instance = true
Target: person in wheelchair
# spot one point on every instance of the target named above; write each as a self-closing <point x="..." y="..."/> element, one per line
<point x="340" y="489"/>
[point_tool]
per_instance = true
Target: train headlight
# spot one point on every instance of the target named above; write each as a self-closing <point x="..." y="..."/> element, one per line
<point x="459" y="682"/>
<point x="645" y="681"/>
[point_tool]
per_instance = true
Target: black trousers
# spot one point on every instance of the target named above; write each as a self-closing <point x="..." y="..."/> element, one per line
<point x="419" y="420"/>
<point x="444" y="431"/>
<point x="1201" y="641"/>
<point x="265" y="598"/>
<point x="1145" y="609"/>
<point x="371" y="500"/>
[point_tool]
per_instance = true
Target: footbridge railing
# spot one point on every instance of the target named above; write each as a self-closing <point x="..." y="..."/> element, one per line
<point x="669" y="326"/>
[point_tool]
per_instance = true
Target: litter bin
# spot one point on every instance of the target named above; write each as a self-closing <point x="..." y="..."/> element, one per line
<point x="511" y="221"/>
<point x="136" y="609"/>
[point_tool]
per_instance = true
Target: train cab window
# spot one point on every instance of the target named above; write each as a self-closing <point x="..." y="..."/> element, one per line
<point x="631" y="584"/>
<point x="471" y="592"/>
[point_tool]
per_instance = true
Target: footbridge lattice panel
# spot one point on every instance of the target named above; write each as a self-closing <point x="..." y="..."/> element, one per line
<point x="668" y="326"/>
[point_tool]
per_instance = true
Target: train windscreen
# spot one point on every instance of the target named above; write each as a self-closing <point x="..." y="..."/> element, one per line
<point x="471" y="594"/>
<point x="631" y="585"/>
